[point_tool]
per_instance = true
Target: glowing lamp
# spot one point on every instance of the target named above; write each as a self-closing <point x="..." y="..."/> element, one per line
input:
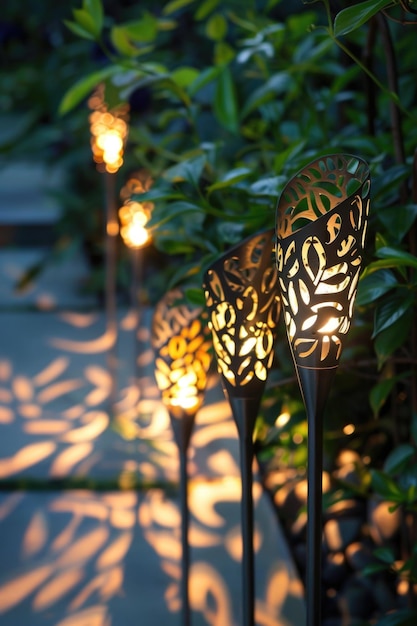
<point x="241" y="291"/>
<point x="181" y="342"/>
<point x="108" y="137"/>
<point x="109" y="131"/>
<point x="322" y="218"/>
<point x="134" y="215"/>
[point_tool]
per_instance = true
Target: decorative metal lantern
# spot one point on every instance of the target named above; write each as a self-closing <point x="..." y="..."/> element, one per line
<point x="180" y="338"/>
<point x="241" y="290"/>
<point x="322" y="218"/>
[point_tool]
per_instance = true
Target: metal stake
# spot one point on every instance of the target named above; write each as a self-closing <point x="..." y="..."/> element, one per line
<point x="110" y="285"/>
<point x="182" y="425"/>
<point x="315" y="387"/>
<point x="245" y="411"/>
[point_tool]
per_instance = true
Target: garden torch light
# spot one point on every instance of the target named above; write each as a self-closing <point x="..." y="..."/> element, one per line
<point x="133" y="217"/>
<point x="108" y="137"/>
<point x="322" y="218"/>
<point x="181" y="343"/>
<point x="241" y="290"/>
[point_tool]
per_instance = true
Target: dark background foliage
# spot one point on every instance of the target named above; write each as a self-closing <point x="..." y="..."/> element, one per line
<point x="229" y="99"/>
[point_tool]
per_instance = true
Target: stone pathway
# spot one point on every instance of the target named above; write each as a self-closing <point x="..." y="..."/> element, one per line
<point x="102" y="556"/>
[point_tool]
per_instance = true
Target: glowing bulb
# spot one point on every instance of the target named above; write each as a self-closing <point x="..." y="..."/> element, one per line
<point x="282" y="419"/>
<point x="331" y="325"/>
<point x="134" y="235"/>
<point x="108" y="132"/>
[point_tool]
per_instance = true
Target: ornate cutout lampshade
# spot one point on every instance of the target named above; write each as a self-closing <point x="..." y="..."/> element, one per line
<point x="322" y="218"/>
<point x="182" y="346"/>
<point x="321" y="228"/>
<point x="241" y="290"/>
<point x="181" y="341"/>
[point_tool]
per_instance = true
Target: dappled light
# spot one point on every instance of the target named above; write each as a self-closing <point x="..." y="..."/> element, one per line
<point x="76" y="554"/>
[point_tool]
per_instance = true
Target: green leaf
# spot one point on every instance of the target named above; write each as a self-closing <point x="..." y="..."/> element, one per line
<point x="385" y="554"/>
<point x="225" y="101"/>
<point x="175" y="5"/>
<point x="385" y="486"/>
<point x="216" y="27"/>
<point x="143" y="30"/>
<point x="380" y="241"/>
<point x="398" y="220"/>
<point x="355" y="16"/>
<point x="390" y="339"/>
<point x="391" y="310"/>
<point x="205" y="9"/>
<point x="374" y="286"/>
<point x="173" y="211"/>
<point x="95" y="9"/>
<point x="379" y="393"/>
<point x="86" y="21"/>
<point x="374" y="568"/>
<point x="204" y="78"/>
<point x="84" y="86"/>
<point x="122" y="42"/>
<point x="398" y="458"/>
<point x="276" y="85"/>
<point x="189" y="170"/>
<point x="79" y="30"/>
<point x="397" y="257"/>
<point x="268" y="186"/>
<point x="223" y="53"/>
<point x="158" y="192"/>
<point x="195" y="296"/>
<point x="230" y="178"/>
<point x="185" y="76"/>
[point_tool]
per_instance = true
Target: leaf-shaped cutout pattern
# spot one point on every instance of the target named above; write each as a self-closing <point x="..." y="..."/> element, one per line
<point x="304" y="292"/>
<point x="334" y="224"/>
<point x="313" y="258"/>
<point x="346" y="245"/>
<point x="294" y="269"/>
<point x="292" y="297"/>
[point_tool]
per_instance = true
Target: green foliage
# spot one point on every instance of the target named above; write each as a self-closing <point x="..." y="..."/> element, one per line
<point x="240" y="95"/>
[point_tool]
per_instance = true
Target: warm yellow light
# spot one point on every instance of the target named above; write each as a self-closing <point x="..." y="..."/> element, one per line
<point x="282" y="419"/>
<point x="403" y="587"/>
<point x="134" y="235"/>
<point x="112" y="228"/>
<point x="133" y="218"/>
<point x="330" y="326"/>
<point x="108" y="132"/>
<point x="133" y="215"/>
<point x="349" y="429"/>
<point x="185" y="393"/>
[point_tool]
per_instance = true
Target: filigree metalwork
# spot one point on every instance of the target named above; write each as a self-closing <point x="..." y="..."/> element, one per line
<point x="322" y="219"/>
<point x="241" y="290"/>
<point x="182" y="344"/>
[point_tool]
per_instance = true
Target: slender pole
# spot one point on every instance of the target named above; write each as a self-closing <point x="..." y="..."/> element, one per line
<point x="184" y="538"/>
<point x="314" y="519"/>
<point x="110" y="284"/>
<point x="245" y="410"/>
<point x="182" y="425"/>
<point x="315" y="386"/>
<point x="135" y="300"/>
<point x="248" y="577"/>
